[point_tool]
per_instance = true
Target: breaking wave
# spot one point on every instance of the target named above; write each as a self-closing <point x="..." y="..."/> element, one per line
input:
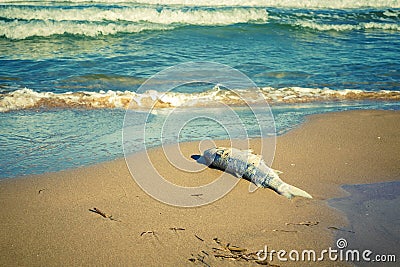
<point x="22" y="30"/>
<point x="276" y="3"/>
<point x="348" y="27"/>
<point x="20" y="22"/>
<point x="158" y="15"/>
<point x="29" y="99"/>
<point x="339" y="20"/>
<point x="254" y="3"/>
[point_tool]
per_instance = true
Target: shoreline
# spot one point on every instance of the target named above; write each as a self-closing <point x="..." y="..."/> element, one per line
<point x="47" y="220"/>
<point x="36" y="159"/>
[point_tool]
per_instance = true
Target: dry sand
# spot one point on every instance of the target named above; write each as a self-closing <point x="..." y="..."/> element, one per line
<point x="45" y="219"/>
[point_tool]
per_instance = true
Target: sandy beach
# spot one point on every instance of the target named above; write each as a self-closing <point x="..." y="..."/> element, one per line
<point x="46" y="219"/>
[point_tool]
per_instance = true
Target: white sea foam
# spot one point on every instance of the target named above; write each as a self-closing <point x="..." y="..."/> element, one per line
<point x="28" y="99"/>
<point x="392" y="13"/>
<point x="282" y="3"/>
<point x="88" y="19"/>
<point x="23" y="22"/>
<point x="348" y="27"/>
<point x="382" y="26"/>
<point x="139" y="14"/>
<point x="340" y="4"/>
<point x="285" y="3"/>
<point x="22" y="29"/>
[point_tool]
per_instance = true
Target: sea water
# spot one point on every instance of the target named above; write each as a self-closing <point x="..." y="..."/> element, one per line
<point x="70" y="69"/>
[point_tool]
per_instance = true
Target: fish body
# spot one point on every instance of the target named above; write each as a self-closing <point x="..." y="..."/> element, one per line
<point x="245" y="164"/>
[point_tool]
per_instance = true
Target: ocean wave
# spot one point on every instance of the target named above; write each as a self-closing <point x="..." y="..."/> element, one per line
<point x="348" y="27"/>
<point x="339" y="4"/>
<point x="20" y="22"/>
<point x="23" y="29"/>
<point x="277" y="3"/>
<point x="158" y="15"/>
<point x="24" y="21"/>
<point x="29" y="99"/>
<point x="337" y="20"/>
<point x="391" y="13"/>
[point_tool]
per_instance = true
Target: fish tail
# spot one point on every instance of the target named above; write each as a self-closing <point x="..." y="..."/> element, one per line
<point x="290" y="191"/>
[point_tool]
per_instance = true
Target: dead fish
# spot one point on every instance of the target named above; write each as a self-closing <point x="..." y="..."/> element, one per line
<point x="245" y="164"/>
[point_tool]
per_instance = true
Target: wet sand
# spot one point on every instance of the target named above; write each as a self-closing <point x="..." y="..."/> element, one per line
<point x="46" y="219"/>
<point x="374" y="218"/>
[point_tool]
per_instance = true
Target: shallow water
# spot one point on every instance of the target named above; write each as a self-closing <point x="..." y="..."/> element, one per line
<point x="38" y="141"/>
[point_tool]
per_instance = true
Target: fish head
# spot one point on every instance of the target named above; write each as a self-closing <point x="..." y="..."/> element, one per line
<point x="209" y="155"/>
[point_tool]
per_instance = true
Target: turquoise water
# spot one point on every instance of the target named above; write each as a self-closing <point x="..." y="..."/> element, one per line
<point x="108" y="48"/>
